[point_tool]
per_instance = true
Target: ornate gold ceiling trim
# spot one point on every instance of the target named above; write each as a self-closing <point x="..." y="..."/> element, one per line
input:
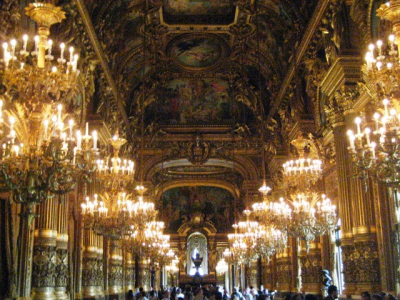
<point x="103" y="61"/>
<point x="301" y="50"/>
<point x="191" y="182"/>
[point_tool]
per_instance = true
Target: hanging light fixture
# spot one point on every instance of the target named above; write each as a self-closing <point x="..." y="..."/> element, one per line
<point x="374" y="146"/>
<point x="38" y="157"/>
<point x="111" y="214"/>
<point x="306" y="213"/>
<point x="222" y="267"/>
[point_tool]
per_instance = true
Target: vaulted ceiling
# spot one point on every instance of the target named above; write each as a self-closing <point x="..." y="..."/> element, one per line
<point x="154" y="49"/>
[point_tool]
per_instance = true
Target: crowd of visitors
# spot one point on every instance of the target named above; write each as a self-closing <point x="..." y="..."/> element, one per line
<point x="208" y="292"/>
<point x="250" y="293"/>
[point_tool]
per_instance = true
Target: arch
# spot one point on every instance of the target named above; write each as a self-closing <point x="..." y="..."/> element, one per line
<point x="197" y="243"/>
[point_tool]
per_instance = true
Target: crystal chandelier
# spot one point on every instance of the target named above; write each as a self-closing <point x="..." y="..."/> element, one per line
<point x="245" y="242"/>
<point x="374" y="146"/>
<point x="37" y="160"/>
<point x="222" y="267"/>
<point x="145" y="241"/>
<point x="304" y="169"/>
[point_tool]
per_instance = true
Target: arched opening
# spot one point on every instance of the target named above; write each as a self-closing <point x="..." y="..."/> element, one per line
<point x="197" y="244"/>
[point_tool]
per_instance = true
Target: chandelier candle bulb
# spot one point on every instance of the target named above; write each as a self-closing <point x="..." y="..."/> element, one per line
<point x="62" y="47"/>
<point x="36" y="39"/>
<point x="94" y="136"/>
<point x="71" y="55"/>
<point x="25" y="39"/>
<point x="78" y="140"/>
<point x="71" y="126"/>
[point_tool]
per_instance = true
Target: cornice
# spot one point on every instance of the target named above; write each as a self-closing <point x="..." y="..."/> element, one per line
<point x="301" y="50"/>
<point x="346" y="69"/>
<point x="103" y="61"/>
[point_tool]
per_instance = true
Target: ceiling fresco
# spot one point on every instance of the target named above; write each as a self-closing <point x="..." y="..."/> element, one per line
<point x="197" y="101"/>
<point x="197" y="52"/>
<point x="199" y="11"/>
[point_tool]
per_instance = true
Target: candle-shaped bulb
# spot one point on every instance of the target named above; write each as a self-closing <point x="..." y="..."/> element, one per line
<point x="54" y="69"/>
<point x="391" y="38"/>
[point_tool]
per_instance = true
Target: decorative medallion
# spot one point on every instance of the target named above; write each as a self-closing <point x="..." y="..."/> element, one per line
<point x="197" y="52"/>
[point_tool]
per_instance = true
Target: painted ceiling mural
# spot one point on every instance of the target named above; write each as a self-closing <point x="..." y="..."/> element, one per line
<point x="216" y="204"/>
<point x="197" y="101"/>
<point x="196" y="52"/>
<point x="198" y="7"/>
<point x="199" y="11"/>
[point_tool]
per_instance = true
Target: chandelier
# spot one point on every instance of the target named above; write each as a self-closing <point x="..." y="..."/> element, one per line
<point x="303" y="170"/>
<point x="312" y="215"/>
<point x="114" y="172"/>
<point x="374" y="146"/>
<point x="111" y="213"/>
<point x="245" y="242"/>
<point x="222" y="267"/>
<point x="37" y="158"/>
<point x="109" y="216"/>
<point x="148" y="240"/>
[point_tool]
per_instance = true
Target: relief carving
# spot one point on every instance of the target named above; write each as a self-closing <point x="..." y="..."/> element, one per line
<point x="44" y="266"/>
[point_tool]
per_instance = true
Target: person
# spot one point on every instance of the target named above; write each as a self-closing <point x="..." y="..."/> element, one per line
<point x="247" y="294"/>
<point x="237" y="293"/>
<point x="333" y="293"/>
<point x="130" y="295"/>
<point x="179" y="294"/>
<point x="199" y="294"/>
<point x="166" y="295"/>
<point x="365" y="296"/>
<point x="226" y="295"/>
<point x="377" y="297"/>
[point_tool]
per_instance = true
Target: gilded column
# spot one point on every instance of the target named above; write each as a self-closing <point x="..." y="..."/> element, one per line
<point x="115" y="270"/>
<point x="345" y="172"/>
<point x="311" y="270"/>
<point x="99" y="266"/>
<point x="44" y="251"/>
<point x="89" y="264"/>
<point x="62" y="252"/>
<point x="129" y="272"/>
